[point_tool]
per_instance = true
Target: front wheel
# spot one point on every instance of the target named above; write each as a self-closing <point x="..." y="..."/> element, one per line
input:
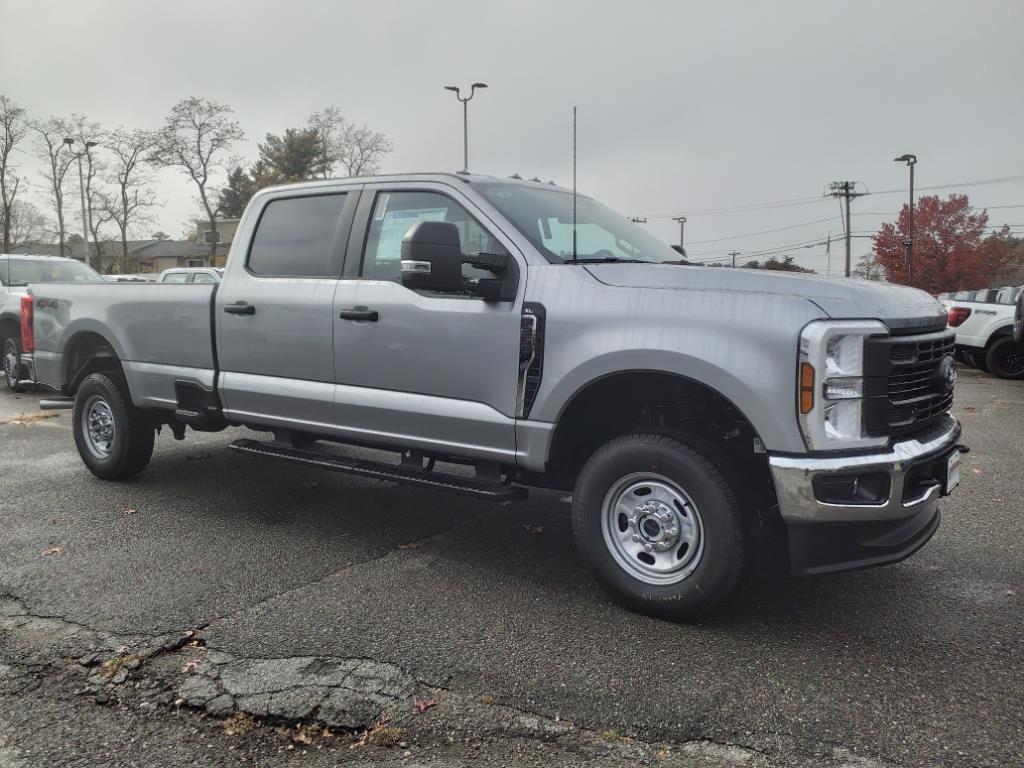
<point x="659" y="524"/>
<point x="1005" y="359"/>
<point x="11" y="350"/>
<point x="114" y="438"/>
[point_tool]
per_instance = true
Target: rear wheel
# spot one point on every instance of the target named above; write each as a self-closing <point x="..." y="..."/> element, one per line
<point x="659" y="524"/>
<point x="11" y="351"/>
<point x="1005" y="359"/>
<point x="114" y="438"/>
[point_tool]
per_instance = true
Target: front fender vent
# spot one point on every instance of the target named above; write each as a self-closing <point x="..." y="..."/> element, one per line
<point x="531" y="357"/>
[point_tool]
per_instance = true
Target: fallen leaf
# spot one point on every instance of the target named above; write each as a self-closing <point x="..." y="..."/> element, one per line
<point x="422" y="705"/>
<point x="410" y="545"/>
<point x="131" y="511"/>
<point x="976" y="471"/>
<point x="534" y="529"/>
<point x="52" y="551"/>
<point x="1011" y="592"/>
<point x="190" y="666"/>
<point x="970" y="408"/>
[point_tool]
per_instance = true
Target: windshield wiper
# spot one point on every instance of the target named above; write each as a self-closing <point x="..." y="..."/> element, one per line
<point x="606" y="260"/>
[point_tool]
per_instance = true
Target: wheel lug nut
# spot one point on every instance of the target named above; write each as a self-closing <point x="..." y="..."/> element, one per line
<point x="648" y="547"/>
<point x="636" y="537"/>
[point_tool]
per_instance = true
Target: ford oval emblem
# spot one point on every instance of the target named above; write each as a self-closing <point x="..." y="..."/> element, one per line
<point x="946" y="375"/>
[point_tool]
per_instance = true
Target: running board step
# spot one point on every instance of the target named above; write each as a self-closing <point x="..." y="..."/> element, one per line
<point x="380" y="471"/>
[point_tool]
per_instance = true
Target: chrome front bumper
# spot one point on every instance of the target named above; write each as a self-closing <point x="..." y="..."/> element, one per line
<point x="794" y="480"/>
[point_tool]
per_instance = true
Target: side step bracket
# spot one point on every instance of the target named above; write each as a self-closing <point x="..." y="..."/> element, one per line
<point x="380" y="471"/>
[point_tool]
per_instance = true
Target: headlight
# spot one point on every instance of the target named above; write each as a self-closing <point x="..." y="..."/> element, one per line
<point x="830" y="388"/>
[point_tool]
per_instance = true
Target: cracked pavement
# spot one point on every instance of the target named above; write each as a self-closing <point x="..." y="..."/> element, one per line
<point x="211" y="609"/>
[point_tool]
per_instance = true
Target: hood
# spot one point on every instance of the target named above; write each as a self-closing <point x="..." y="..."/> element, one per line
<point x="837" y="297"/>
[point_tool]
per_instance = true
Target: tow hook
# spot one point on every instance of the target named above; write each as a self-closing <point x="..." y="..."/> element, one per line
<point x="963" y="448"/>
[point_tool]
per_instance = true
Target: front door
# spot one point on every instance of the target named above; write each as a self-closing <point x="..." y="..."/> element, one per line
<point x="432" y="371"/>
<point x="275" y="311"/>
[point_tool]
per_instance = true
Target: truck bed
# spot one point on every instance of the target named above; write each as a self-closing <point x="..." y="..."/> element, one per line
<point x="160" y="332"/>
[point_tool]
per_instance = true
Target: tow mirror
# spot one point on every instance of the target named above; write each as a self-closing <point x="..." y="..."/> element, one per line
<point x="432" y="257"/>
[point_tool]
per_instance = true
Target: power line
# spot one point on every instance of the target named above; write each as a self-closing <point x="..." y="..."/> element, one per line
<point x="764" y="231"/>
<point x="845" y="190"/>
<point x="810" y="200"/>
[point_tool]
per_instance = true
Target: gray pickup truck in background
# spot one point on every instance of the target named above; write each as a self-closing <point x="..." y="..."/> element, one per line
<point x="16" y="272"/>
<point x="540" y="341"/>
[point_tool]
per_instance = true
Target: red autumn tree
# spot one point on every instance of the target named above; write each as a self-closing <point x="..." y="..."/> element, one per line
<point x="952" y="251"/>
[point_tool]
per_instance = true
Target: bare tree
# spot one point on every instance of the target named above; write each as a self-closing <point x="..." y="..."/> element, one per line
<point x="52" y="149"/>
<point x="353" y="149"/>
<point x="12" y="131"/>
<point x="131" y="175"/>
<point x="197" y="139"/>
<point x="28" y="226"/>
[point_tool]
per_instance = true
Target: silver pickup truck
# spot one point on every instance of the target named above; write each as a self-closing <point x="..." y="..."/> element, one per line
<point x="537" y="339"/>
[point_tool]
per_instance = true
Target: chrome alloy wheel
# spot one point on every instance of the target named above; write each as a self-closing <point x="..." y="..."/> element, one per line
<point x="652" y="528"/>
<point x="98" y="427"/>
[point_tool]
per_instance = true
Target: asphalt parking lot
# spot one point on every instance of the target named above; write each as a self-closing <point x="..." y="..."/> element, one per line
<point x="137" y="621"/>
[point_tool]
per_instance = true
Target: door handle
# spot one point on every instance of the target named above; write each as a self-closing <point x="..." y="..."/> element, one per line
<point x="240" y="308"/>
<point x="359" y="313"/>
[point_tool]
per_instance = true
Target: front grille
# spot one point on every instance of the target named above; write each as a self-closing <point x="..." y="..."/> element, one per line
<point x="904" y="387"/>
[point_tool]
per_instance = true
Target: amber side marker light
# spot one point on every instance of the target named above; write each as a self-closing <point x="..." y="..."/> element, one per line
<point x="806" y="387"/>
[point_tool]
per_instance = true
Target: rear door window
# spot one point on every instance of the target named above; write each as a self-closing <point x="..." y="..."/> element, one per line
<point x="176" y="277"/>
<point x="295" y="236"/>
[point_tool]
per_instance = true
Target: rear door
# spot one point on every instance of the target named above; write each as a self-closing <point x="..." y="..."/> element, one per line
<point x="433" y="371"/>
<point x="274" y="309"/>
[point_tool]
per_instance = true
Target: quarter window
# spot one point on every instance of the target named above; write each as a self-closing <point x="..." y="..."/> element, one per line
<point x="295" y="236"/>
<point x="394" y="213"/>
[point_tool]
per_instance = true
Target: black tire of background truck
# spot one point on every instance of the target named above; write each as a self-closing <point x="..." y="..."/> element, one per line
<point x="977" y="360"/>
<point x="133" y="429"/>
<point x="689" y="463"/>
<point x="11" y="346"/>
<point x="1005" y="359"/>
<point x="1018" y="320"/>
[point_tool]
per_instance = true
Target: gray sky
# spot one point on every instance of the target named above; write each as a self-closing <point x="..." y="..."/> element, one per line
<point x="683" y="106"/>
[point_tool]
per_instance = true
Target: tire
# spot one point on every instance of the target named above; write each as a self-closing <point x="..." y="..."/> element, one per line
<point x="119" y="443"/>
<point x="1018" y="321"/>
<point x="10" y="349"/>
<point x="662" y="484"/>
<point x="977" y="360"/>
<point x="1005" y="359"/>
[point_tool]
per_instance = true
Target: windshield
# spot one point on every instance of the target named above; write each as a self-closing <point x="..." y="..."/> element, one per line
<point x="544" y="216"/>
<point x="15" y="271"/>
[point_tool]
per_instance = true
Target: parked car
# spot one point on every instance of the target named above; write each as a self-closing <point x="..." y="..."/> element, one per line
<point x="191" y="275"/>
<point x="984" y="331"/>
<point x="17" y="272"/>
<point x="543" y="340"/>
<point x="129" y="278"/>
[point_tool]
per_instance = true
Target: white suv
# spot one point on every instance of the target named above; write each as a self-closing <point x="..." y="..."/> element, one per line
<point x="984" y="330"/>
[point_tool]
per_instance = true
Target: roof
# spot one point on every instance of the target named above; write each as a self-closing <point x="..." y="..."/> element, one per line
<point x="48" y="257"/>
<point x="446" y="177"/>
<point x="145" y="249"/>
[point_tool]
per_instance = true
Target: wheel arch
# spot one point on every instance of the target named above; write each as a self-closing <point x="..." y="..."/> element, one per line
<point x="87" y="352"/>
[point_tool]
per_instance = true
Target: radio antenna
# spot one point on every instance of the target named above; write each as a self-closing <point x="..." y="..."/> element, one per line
<point x="574" y="184"/>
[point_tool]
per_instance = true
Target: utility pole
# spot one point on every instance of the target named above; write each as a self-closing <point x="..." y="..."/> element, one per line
<point x="682" y="228"/>
<point x="734" y="254"/>
<point x="845" y="190"/>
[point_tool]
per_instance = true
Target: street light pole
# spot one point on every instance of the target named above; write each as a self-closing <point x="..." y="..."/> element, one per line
<point x="81" y="191"/>
<point x="911" y="161"/>
<point x="682" y="229"/>
<point x="465" y="119"/>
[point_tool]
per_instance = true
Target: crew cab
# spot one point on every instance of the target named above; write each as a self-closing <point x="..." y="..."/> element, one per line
<point x="983" y="321"/>
<point x="540" y="339"/>
<point x="16" y="272"/>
